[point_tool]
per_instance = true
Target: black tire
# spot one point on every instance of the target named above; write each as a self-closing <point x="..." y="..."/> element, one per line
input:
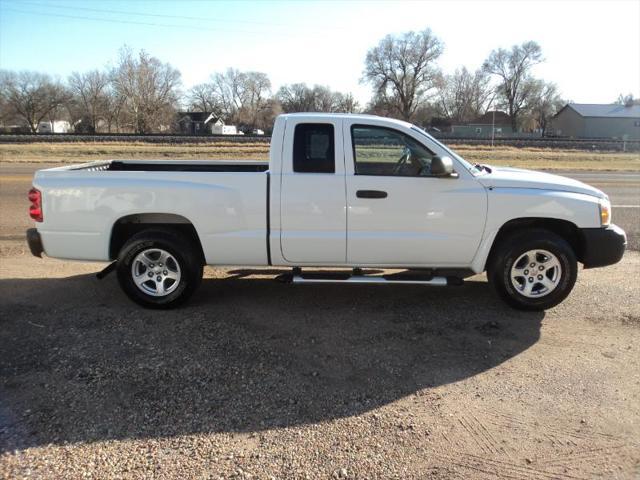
<point x="186" y="255"/>
<point x="510" y="249"/>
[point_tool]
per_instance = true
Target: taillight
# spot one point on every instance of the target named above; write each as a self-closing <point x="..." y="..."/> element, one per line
<point x="35" y="209"/>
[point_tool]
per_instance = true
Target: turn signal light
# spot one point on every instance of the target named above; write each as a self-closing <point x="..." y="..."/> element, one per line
<point x="35" y="209"/>
<point x="605" y="212"/>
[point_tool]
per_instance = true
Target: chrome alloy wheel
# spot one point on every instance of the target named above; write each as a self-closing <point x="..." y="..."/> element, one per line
<point x="156" y="272"/>
<point x="536" y="273"/>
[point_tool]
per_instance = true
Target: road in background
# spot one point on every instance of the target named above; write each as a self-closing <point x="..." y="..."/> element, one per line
<point x="623" y="189"/>
<point x="15" y="181"/>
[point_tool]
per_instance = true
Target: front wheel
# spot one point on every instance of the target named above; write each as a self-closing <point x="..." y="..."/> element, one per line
<point x="159" y="268"/>
<point x="533" y="270"/>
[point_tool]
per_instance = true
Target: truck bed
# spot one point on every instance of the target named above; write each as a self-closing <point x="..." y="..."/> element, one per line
<point x="225" y="201"/>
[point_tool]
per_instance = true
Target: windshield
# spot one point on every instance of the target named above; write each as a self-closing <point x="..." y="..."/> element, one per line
<point x="475" y="170"/>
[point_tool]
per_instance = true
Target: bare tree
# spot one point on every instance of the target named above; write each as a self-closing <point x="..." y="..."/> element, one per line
<point x="7" y="113"/>
<point x="236" y="96"/>
<point x="228" y="89"/>
<point x="513" y="68"/>
<point x="545" y="102"/>
<point x="345" y="103"/>
<point x="31" y="96"/>
<point x="261" y="118"/>
<point x="627" y="100"/>
<point x="378" y="105"/>
<point x="402" y="70"/>
<point x="90" y="91"/>
<point x="299" y="97"/>
<point x="114" y="111"/>
<point x="254" y="98"/>
<point x="149" y="89"/>
<point x="202" y="98"/>
<point x="324" y="100"/>
<point x="256" y="88"/>
<point x="464" y="96"/>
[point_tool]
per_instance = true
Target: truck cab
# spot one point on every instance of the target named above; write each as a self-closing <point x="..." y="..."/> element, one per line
<point x="365" y="191"/>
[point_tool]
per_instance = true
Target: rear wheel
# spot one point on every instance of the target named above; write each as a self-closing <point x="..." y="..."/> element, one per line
<point x="533" y="270"/>
<point x="159" y="268"/>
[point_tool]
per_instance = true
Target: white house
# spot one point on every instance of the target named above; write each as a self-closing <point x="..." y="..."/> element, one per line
<point x="198" y="123"/>
<point x="56" y="126"/>
<point x="219" y="128"/>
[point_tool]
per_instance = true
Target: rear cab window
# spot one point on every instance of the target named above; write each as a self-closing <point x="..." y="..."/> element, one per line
<point x="314" y="148"/>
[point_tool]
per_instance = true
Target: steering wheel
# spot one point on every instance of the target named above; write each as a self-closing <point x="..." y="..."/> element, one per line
<point x="402" y="161"/>
<point x="425" y="170"/>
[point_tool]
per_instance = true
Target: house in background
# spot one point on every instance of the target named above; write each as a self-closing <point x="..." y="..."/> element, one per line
<point x="196" y="123"/>
<point x="219" y="128"/>
<point x="589" y="120"/>
<point x="13" y="128"/>
<point x="55" y="126"/>
<point x="494" y="121"/>
<point x="203" y="123"/>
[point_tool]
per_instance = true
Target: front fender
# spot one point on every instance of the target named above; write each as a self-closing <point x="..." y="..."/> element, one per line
<point x="508" y="204"/>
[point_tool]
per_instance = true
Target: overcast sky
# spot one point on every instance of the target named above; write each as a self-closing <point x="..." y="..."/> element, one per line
<point x="592" y="48"/>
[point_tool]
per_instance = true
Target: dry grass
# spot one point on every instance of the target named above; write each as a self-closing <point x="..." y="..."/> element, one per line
<point x="549" y="159"/>
<point x="89" y="151"/>
<point x="536" y="158"/>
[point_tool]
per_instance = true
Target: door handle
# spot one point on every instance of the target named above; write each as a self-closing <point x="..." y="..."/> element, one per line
<point x="371" y="194"/>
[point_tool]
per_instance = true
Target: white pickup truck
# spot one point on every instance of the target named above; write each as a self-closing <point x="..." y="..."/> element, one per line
<point x="347" y="191"/>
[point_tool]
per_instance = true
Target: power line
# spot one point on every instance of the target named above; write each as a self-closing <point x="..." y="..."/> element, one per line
<point x="155" y="15"/>
<point x="133" y="22"/>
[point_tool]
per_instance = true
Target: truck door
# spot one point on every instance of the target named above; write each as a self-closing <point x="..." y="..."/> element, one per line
<point x="312" y="193"/>
<point x="399" y="215"/>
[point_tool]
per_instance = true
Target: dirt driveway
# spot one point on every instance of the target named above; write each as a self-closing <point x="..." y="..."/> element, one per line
<point x="256" y="379"/>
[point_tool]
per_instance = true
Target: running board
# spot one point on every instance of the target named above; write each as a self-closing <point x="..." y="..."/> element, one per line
<point x="435" y="281"/>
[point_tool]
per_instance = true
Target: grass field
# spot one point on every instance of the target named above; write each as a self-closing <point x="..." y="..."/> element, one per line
<point x="535" y="158"/>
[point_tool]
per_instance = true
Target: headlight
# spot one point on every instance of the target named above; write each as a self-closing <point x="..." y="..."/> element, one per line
<point x="605" y="212"/>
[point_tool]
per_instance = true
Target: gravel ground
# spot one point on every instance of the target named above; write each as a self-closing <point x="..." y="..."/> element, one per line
<point x="256" y="379"/>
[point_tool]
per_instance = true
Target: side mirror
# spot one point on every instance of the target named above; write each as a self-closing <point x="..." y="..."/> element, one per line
<point x="441" y="166"/>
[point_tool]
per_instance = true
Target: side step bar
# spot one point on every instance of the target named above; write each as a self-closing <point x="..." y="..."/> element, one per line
<point x="358" y="276"/>
<point x="436" y="281"/>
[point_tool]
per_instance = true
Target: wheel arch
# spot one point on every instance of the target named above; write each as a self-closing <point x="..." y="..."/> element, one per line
<point x="565" y="229"/>
<point x="129" y="225"/>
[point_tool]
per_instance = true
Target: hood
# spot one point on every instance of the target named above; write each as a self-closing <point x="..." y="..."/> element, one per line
<point x="503" y="177"/>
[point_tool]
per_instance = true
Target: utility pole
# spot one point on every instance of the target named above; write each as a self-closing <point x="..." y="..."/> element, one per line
<point x="493" y="125"/>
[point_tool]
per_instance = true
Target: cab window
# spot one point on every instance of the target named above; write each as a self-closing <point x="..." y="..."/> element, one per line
<point x="313" y="148"/>
<point x="387" y="152"/>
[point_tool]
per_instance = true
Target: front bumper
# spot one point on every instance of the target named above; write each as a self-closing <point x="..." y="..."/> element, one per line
<point x="602" y="246"/>
<point x="35" y="242"/>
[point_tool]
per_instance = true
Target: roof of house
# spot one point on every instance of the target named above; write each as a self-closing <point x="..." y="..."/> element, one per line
<point x="489" y="118"/>
<point x="492" y="117"/>
<point x="600" y="110"/>
<point x="198" y="116"/>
